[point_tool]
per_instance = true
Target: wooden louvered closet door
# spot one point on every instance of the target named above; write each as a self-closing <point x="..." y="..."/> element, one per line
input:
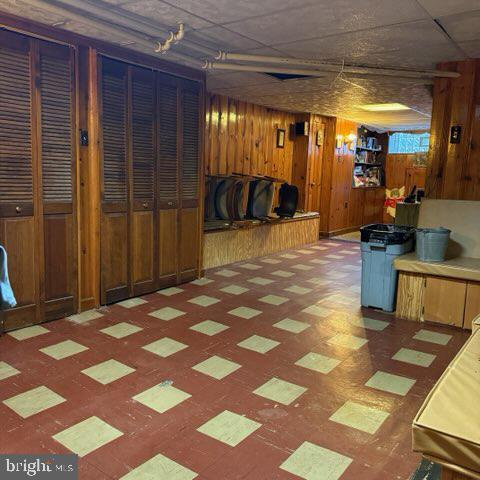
<point x="190" y="222"/>
<point x="57" y="160"/>
<point x="115" y="237"/>
<point x="168" y="179"/>
<point x="37" y="180"/>
<point x="17" y="212"/>
<point x="143" y="168"/>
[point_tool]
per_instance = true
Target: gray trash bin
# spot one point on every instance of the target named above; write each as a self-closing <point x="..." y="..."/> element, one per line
<point x="380" y="245"/>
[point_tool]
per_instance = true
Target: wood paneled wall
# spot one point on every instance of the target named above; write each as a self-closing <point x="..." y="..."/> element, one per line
<point x="344" y="208"/>
<point x="400" y="170"/>
<point x="453" y="170"/>
<point x="241" y="137"/>
<point x="310" y="159"/>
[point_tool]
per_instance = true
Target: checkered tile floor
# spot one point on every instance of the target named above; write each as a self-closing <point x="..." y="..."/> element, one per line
<point x="266" y="369"/>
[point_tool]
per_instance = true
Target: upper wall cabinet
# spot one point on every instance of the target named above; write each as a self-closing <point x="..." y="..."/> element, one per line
<point x="37" y="177"/>
<point x="150" y="149"/>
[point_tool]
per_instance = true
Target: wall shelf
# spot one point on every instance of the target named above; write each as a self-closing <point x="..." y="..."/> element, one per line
<point x="369" y="149"/>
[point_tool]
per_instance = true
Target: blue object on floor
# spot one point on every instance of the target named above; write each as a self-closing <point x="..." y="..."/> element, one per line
<point x="7" y="299"/>
<point x="381" y="244"/>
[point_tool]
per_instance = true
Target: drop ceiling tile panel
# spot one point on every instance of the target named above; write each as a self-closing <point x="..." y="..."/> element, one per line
<point x="224" y="11"/>
<point x="361" y="44"/>
<point x="419" y="57"/>
<point x="93" y="32"/>
<point x="472" y="49"/>
<point x="221" y="38"/>
<point x="237" y="79"/>
<point x="166" y="14"/>
<point x="327" y="18"/>
<point x="440" y="8"/>
<point x="22" y="9"/>
<point x="463" y="27"/>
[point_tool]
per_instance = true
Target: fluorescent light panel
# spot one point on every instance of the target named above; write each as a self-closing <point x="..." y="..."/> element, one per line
<point x="384" y="107"/>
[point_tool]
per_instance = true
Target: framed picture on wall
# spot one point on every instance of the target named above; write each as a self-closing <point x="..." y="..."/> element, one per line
<point x="319" y="139"/>
<point x="280" y="138"/>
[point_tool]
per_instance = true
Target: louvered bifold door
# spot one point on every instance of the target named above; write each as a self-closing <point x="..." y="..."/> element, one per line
<point x="57" y="161"/>
<point x="143" y="167"/>
<point x="168" y="178"/>
<point x="190" y="168"/>
<point x="115" y="238"/>
<point x="17" y="221"/>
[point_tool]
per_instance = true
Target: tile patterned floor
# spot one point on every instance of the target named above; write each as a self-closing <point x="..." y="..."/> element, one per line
<point x="262" y="370"/>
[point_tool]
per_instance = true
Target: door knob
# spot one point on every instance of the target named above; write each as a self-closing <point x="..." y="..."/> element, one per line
<point x="169" y="204"/>
<point x="18" y="209"/>
<point x="145" y="205"/>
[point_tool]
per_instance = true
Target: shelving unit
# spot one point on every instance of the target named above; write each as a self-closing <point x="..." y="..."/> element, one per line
<point x="368" y="171"/>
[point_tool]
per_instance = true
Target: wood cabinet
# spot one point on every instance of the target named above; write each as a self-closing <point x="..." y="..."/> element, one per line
<point x="443" y="300"/>
<point x="37" y="177"/>
<point x="150" y="148"/>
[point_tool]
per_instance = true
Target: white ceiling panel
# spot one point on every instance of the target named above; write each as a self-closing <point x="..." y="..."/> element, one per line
<point x="23" y="9"/>
<point x="423" y="57"/>
<point x="361" y="44"/>
<point x="165" y="14"/>
<point x="327" y="18"/>
<point x="225" y="11"/>
<point x="441" y="8"/>
<point x="222" y="39"/>
<point x="472" y="49"/>
<point x="463" y="27"/>
<point x="391" y="33"/>
<point x="237" y="79"/>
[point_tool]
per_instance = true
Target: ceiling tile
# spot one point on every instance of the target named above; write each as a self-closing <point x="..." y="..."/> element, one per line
<point x="223" y="11"/>
<point x="421" y="57"/>
<point x="327" y="18"/>
<point x="93" y="32"/>
<point x="440" y="8"/>
<point x="353" y="45"/>
<point x="222" y="39"/>
<point x="22" y="9"/>
<point x="472" y="49"/>
<point x="462" y="27"/>
<point x="235" y="79"/>
<point x="165" y="14"/>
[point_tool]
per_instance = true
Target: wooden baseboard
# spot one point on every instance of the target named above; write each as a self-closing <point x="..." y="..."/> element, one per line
<point x="342" y="231"/>
<point x="87" y="304"/>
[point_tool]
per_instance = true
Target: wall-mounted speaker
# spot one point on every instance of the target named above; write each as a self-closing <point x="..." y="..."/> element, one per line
<point x="301" y="128"/>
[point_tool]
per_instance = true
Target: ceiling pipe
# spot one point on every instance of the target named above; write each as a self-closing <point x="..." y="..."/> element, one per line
<point x="345" y="68"/>
<point x="172" y="39"/>
<point x="74" y="13"/>
<point x="209" y="65"/>
<point x="133" y="21"/>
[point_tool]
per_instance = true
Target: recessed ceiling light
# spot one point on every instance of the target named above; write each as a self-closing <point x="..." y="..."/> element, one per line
<point x="384" y="107"/>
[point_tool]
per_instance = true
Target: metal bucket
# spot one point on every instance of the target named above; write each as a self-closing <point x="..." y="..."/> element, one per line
<point x="432" y="244"/>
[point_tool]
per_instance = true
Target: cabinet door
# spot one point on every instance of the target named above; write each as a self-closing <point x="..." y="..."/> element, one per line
<point x="57" y="159"/>
<point x="472" y="304"/>
<point x="445" y="301"/>
<point x="190" y="184"/>
<point x="115" y="238"/>
<point x="143" y="166"/>
<point x="168" y="201"/>
<point x="17" y="221"/>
